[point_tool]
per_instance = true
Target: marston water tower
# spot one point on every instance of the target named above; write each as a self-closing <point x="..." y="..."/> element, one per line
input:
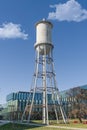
<point x="44" y="80"/>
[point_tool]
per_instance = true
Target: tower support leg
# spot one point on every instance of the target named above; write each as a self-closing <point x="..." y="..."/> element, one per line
<point x="44" y="92"/>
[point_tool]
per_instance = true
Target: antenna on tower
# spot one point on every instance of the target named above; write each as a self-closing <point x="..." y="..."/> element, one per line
<point x="44" y="80"/>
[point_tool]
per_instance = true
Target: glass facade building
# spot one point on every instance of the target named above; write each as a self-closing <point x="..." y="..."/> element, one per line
<point x="16" y="101"/>
<point x="75" y="99"/>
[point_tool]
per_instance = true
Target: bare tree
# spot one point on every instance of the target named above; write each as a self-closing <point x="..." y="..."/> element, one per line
<point x="79" y="102"/>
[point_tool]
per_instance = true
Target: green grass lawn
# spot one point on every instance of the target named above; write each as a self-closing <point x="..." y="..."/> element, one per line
<point x="12" y="126"/>
<point x="70" y="124"/>
<point x="24" y="127"/>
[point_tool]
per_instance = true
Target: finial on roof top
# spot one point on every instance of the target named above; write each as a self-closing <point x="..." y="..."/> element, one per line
<point x="44" y="19"/>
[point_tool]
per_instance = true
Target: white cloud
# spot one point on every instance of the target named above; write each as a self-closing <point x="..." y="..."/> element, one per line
<point x="11" y="30"/>
<point x="69" y="11"/>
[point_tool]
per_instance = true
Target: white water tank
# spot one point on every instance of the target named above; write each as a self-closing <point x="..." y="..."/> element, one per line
<point x="43" y="36"/>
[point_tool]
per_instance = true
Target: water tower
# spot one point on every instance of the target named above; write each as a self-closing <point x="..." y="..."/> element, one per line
<point x="44" y="80"/>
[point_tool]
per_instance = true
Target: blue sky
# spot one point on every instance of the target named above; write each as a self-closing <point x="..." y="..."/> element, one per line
<point x="17" y="38"/>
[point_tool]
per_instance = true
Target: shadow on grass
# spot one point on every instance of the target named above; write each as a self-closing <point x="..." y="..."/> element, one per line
<point x="12" y="126"/>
